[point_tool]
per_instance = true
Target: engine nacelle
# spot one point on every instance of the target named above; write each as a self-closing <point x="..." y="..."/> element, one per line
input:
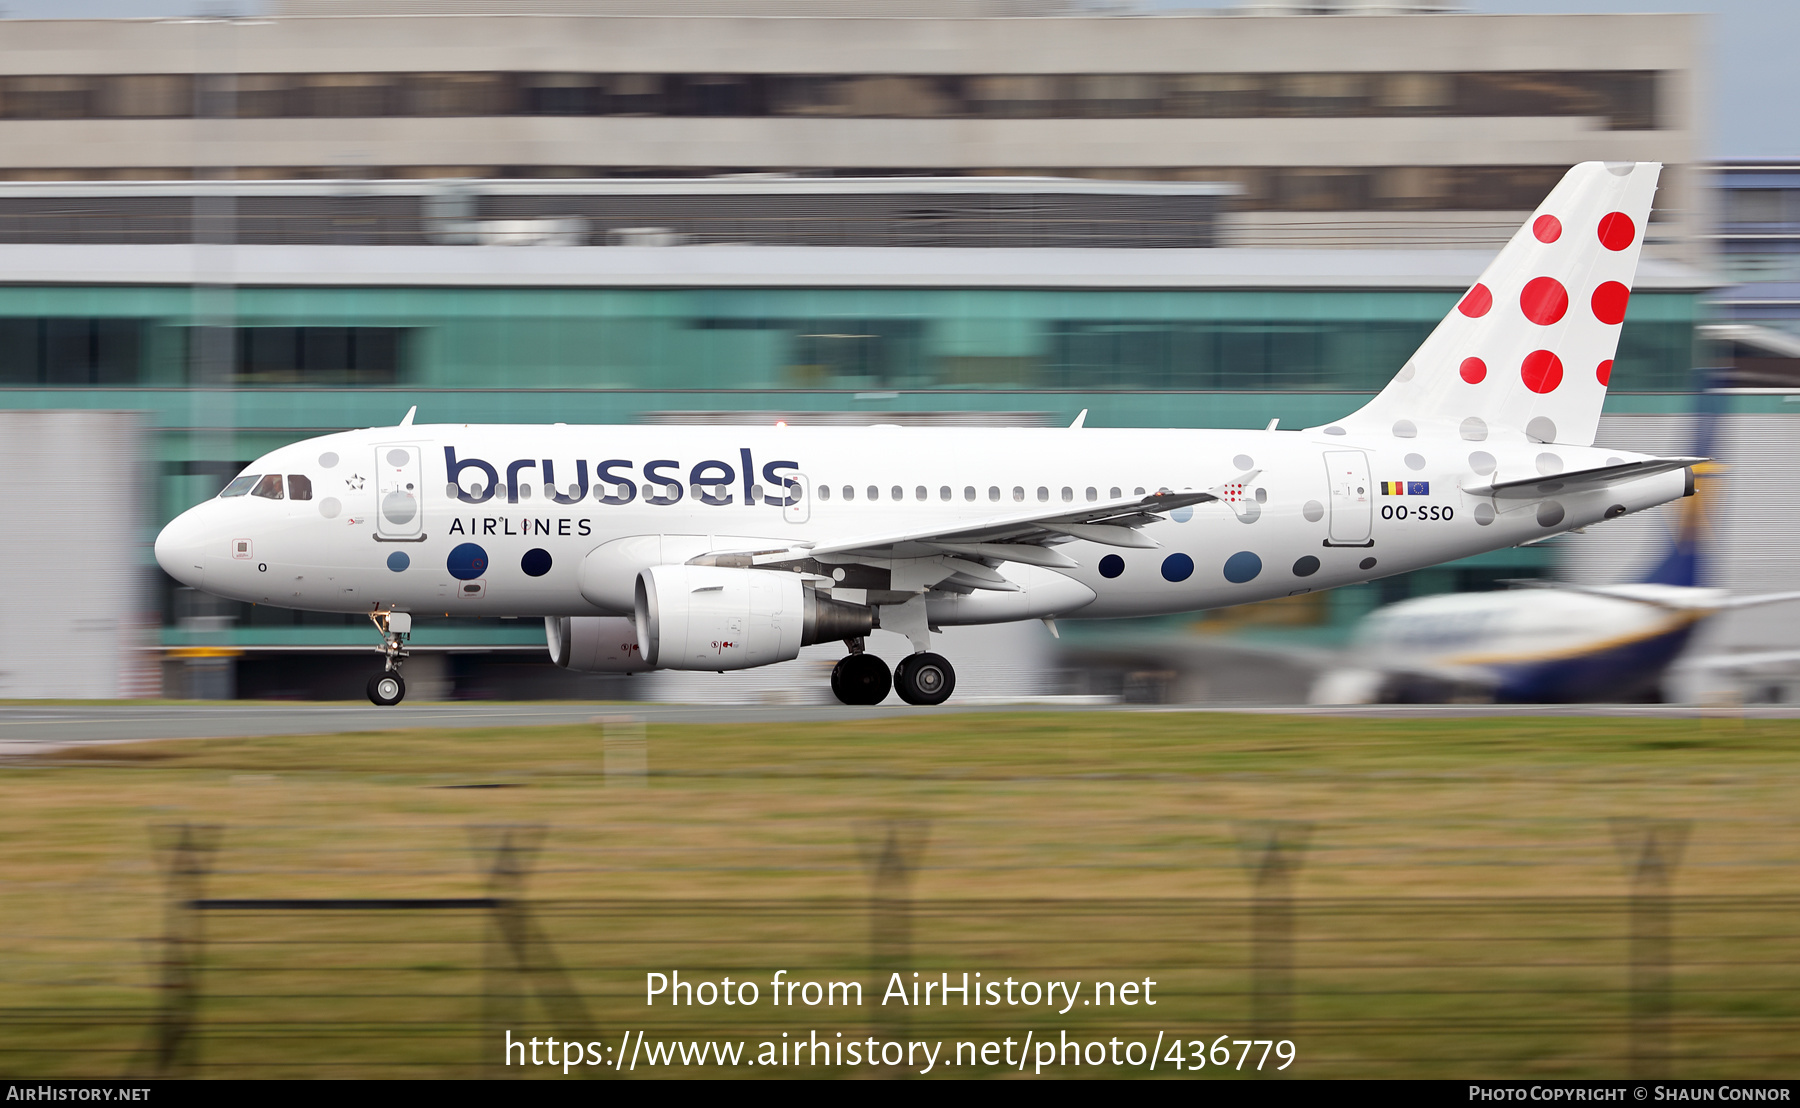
<point x="594" y="644"/>
<point x="714" y="617"/>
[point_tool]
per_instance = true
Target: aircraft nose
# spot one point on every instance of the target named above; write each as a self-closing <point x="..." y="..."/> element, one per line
<point x="179" y="549"/>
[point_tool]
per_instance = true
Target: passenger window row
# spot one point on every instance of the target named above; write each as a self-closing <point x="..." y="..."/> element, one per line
<point x="970" y="493"/>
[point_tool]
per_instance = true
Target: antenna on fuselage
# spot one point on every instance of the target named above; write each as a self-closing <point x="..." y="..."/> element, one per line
<point x="406" y="420"/>
<point x="1079" y="420"/>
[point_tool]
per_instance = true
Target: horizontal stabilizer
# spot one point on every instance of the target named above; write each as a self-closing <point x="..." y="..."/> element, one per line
<point x="1580" y="480"/>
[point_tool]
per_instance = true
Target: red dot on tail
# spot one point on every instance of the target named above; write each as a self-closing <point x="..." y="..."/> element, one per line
<point x="1604" y="373"/>
<point x="1617" y="231"/>
<point x="1474" y="370"/>
<point x="1542" y="371"/>
<point x="1544" y="300"/>
<point x="1609" y="302"/>
<point x="1547" y="228"/>
<point x="1477" y="302"/>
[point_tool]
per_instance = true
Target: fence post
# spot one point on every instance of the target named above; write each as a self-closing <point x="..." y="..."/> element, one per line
<point x="186" y="852"/>
<point x="890" y="850"/>
<point x="1272" y="850"/>
<point x="517" y="952"/>
<point x="1651" y="849"/>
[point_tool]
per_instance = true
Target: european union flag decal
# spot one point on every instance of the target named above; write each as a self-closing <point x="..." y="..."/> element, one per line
<point x="1418" y="488"/>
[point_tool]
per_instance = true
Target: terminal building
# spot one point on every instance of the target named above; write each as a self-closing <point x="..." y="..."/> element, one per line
<point x="251" y="231"/>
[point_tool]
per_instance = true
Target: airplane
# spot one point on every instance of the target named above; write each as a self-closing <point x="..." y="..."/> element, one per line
<point x="1550" y="642"/>
<point x="718" y="548"/>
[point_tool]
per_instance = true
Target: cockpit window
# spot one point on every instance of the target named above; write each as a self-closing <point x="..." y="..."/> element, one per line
<point x="269" y="486"/>
<point x="299" y="487"/>
<point x="240" y="486"/>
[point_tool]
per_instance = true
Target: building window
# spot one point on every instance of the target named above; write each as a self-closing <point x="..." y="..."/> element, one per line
<point x="1622" y="99"/>
<point x="71" y="351"/>
<point x="319" y="355"/>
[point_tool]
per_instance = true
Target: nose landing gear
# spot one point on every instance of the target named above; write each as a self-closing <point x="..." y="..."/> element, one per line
<point x="388" y="688"/>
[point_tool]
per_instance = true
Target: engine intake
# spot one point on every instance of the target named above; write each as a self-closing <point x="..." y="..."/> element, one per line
<point x="594" y="644"/>
<point x="714" y="617"/>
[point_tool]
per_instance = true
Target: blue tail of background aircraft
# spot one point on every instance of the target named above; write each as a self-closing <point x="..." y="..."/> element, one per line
<point x="1684" y="563"/>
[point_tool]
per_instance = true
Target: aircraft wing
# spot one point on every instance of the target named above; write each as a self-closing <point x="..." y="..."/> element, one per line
<point x="965" y="553"/>
<point x="1112" y="523"/>
<point x="1755" y="599"/>
<point x="1747" y="660"/>
<point x="1580" y="480"/>
<point x="1679" y="598"/>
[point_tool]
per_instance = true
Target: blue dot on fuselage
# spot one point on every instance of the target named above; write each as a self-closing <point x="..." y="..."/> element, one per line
<point x="1177" y="567"/>
<point x="1242" y="566"/>
<point x="398" y="561"/>
<point x="1111" y="566"/>
<point x="536" y="562"/>
<point x="1182" y="515"/>
<point x="467" y="562"/>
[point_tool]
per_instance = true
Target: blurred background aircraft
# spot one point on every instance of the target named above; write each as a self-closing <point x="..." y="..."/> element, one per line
<point x="237" y="228"/>
<point x="1554" y="641"/>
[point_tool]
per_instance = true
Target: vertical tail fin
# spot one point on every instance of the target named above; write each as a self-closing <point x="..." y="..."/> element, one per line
<point x="1527" y="353"/>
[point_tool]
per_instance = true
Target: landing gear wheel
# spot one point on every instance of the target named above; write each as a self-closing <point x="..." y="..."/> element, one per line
<point x="924" y="678"/>
<point x="386" y="689"/>
<point x="861" y="679"/>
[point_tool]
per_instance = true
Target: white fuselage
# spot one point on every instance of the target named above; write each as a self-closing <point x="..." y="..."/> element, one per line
<point x="1312" y="496"/>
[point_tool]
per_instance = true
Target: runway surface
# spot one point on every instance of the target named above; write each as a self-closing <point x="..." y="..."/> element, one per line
<point x="31" y="729"/>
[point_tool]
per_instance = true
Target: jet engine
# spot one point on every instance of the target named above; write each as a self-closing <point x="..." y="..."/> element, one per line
<point x="594" y="644"/>
<point x="716" y="617"/>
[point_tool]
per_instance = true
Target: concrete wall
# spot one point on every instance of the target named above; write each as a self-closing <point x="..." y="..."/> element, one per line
<point x="73" y="622"/>
<point x="1174" y="43"/>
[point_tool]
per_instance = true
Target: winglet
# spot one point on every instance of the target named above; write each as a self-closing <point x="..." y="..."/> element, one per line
<point x="1079" y="420"/>
<point x="406" y="420"/>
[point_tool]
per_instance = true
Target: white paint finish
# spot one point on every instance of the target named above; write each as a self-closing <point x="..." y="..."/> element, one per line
<point x="1292" y="473"/>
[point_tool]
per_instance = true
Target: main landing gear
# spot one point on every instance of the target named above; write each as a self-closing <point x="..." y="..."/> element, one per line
<point x="862" y="678"/>
<point x="388" y="688"/>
